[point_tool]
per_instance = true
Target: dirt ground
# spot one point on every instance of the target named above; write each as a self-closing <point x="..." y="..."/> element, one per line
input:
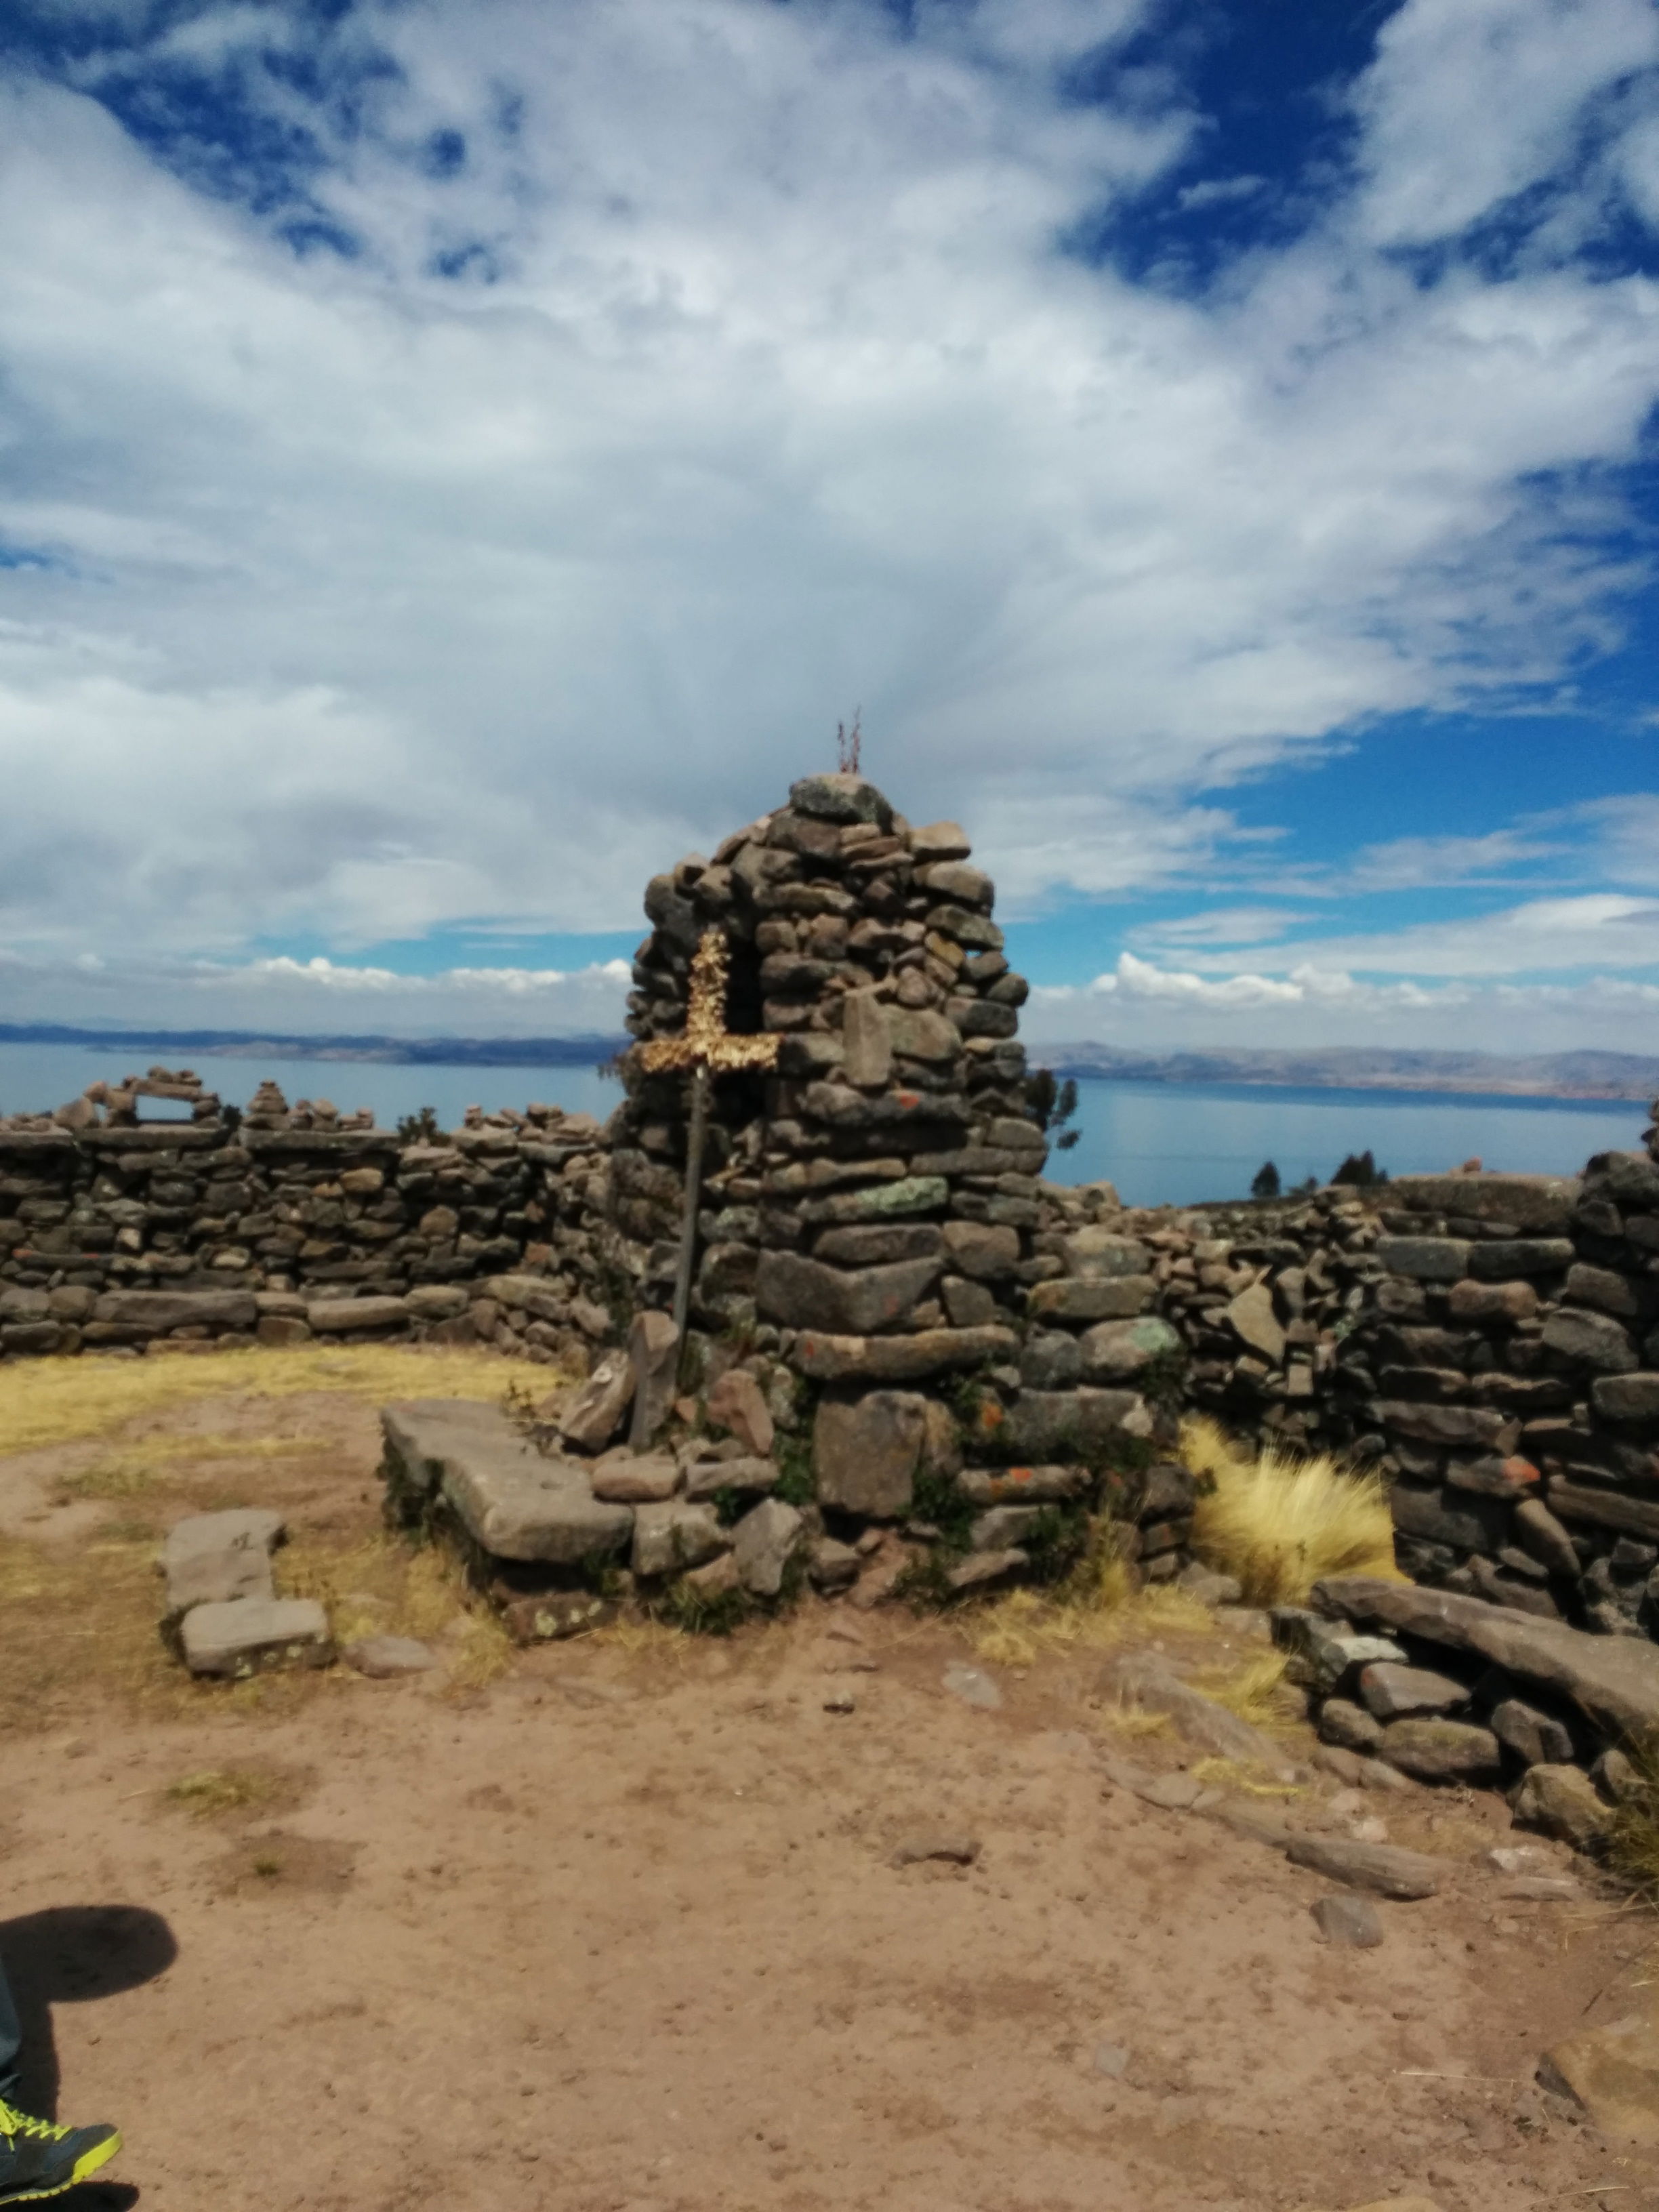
<point x="615" y="1926"/>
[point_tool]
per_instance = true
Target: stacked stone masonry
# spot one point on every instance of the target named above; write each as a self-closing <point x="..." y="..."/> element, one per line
<point x="939" y="1332"/>
<point x="1488" y="1343"/>
<point x="272" y="1228"/>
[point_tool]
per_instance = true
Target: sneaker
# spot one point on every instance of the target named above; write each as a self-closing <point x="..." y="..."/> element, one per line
<point x="38" y="2160"/>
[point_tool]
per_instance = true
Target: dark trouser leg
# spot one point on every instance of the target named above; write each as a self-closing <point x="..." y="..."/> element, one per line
<point x="11" y="2042"/>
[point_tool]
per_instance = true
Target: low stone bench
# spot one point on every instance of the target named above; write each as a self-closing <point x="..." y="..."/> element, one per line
<point x="514" y="1502"/>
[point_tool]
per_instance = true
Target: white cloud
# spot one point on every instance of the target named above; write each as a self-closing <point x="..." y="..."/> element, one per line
<point x="1138" y="1005"/>
<point x="1230" y="925"/>
<point x="388" y="600"/>
<point x="1597" y="929"/>
<point x="318" y="996"/>
<point x="1470" y="102"/>
<point x="1410" y="863"/>
<point x="1304" y="985"/>
<point x="1626" y="836"/>
<point x="1217" y="192"/>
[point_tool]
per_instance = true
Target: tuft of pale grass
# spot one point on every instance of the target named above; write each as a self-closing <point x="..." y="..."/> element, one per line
<point x="1281" y="1520"/>
<point x="1632" y="1845"/>
<point x="1135" y="1721"/>
<point x="51" y="1402"/>
<point x="1251" y="1691"/>
<point x="1232" y="1774"/>
<point x="217" y="1790"/>
<point x="1096" y="1608"/>
<point x="391" y="1585"/>
<point x="650" y="1638"/>
<point x="1207" y="1450"/>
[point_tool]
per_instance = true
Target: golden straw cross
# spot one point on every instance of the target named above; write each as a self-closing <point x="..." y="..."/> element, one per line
<point x="707" y="1048"/>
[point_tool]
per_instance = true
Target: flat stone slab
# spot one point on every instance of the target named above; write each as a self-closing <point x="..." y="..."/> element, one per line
<point x="1042" y="1423"/>
<point x="515" y="1503"/>
<point x="1142" y="1679"/>
<point x="622" y="1477"/>
<point x="531" y="1294"/>
<point x="162" y="1311"/>
<point x="1612" y="2073"/>
<point x="830" y="1358"/>
<point x="422" y="1435"/>
<point x="747" y="1477"/>
<point x="1382" y="1869"/>
<point x="209" y="1559"/>
<point x="253" y="1635"/>
<point x="1613" y="1679"/>
<point x="343" y="1317"/>
<point x="1022" y="1486"/>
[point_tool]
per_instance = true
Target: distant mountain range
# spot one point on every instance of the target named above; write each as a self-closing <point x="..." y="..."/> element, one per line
<point x="408" y="1052"/>
<point x="1365" y="1067"/>
<point x="1359" y="1067"/>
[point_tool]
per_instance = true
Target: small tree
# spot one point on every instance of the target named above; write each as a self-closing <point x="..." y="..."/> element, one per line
<point x="421" y="1128"/>
<point x="1054" y="1105"/>
<point x="1266" y="1181"/>
<point x="1360" y="1171"/>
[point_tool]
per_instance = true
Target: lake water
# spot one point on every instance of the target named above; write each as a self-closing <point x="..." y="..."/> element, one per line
<point x="1161" y="1144"/>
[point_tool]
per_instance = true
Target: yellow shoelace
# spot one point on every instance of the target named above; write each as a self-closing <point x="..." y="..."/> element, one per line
<point x="14" y="2122"/>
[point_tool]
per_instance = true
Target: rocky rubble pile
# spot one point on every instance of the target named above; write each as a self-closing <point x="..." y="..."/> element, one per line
<point x="1451" y="1689"/>
<point x="620" y="1491"/>
<point x="1259" y="1299"/>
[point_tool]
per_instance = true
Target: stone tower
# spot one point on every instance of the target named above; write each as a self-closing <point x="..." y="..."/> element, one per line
<point x="882" y="1185"/>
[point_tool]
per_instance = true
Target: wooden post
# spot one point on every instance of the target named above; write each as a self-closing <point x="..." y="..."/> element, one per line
<point x="708" y="1049"/>
<point x="695" y="1142"/>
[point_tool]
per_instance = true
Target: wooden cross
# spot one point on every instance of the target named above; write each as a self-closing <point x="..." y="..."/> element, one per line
<point x="707" y="1048"/>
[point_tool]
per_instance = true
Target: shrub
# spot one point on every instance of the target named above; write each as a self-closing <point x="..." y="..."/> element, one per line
<point x="1360" y="1171"/>
<point x="1280" y="1521"/>
<point x="1054" y="1105"/>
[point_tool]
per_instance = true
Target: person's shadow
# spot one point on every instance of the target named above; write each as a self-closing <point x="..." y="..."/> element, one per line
<point x="70" y="1954"/>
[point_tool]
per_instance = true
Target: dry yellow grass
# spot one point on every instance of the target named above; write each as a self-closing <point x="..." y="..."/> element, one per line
<point x="1252" y="1689"/>
<point x="77" y="1618"/>
<point x="218" y="1790"/>
<point x="147" y="1464"/>
<point x="388" y="1586"/>
<point x="1632" y="1849"/>
<point x="50" y="1401"/>
<point x="1279" y="1521"/>
<point x="80" y="1619"/>
<point x="1229" y="1774"/>
<point x="1098" y="1610"/>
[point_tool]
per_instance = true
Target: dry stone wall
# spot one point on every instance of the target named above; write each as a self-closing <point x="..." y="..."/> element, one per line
<point x="118" y="1236"/>
<point x="960" y="1357"/>
<point x="1488" y="1343"/>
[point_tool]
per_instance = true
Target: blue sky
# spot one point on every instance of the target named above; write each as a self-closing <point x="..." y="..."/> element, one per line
<point x="458" y="455"/>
